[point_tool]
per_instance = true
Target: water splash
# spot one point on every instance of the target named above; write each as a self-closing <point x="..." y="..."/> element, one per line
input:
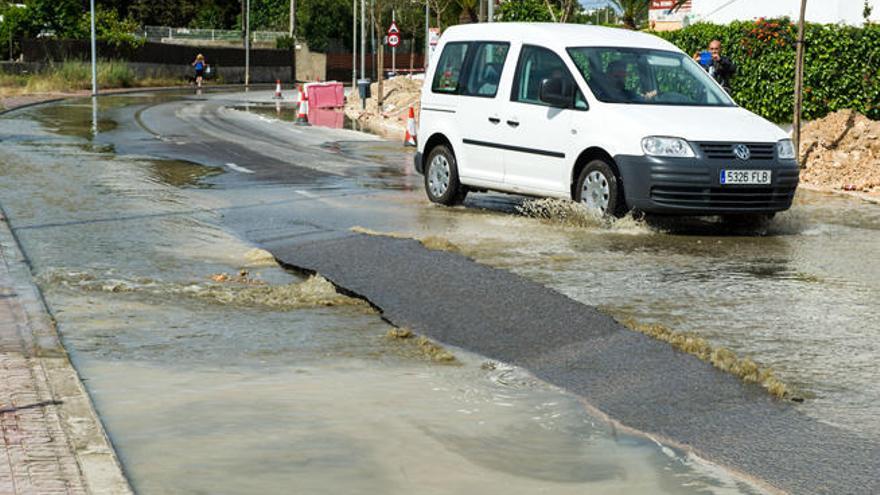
<point x="237" y="290"/>
<point x="570" y="214"/>
<point x="720" y="357"/>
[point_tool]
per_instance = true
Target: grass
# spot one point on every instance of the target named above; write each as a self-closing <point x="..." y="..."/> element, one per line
<point x="74" y="75"/>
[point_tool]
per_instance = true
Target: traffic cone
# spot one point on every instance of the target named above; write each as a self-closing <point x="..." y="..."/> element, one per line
<point x="277" y="89"/>
<point x="302" y="112"/>
<point x="410" y="138"/>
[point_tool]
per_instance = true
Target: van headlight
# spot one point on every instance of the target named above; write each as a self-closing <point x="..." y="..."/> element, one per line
<point x="785" y="149"/>
<point x="667" y="146"/>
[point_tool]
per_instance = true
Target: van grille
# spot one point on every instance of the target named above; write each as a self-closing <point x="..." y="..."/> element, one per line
<point x="760" y="151"/>
<point x="730" y="198"/>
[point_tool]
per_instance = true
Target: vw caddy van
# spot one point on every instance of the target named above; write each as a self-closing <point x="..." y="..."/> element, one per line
<point x="615" y="119"/>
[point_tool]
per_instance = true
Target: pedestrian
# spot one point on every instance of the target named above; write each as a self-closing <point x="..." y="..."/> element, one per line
<point x="721" y="68"/>
<point x="199" y="64"/>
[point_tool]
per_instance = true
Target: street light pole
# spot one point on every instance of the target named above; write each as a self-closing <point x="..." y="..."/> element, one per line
<point x="354" y="44"/>
<point x="427" y="34"/>
<point x="247" y="44"/>
<point x="491" y="10"/>
<point x="363" y="39"/>
<point x="94" y="52"/>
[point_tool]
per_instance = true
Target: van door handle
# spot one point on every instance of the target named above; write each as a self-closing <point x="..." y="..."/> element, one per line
<point x="513" y="123"/>
<point x="494" y="120"/>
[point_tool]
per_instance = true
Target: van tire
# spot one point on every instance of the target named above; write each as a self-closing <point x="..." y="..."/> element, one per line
<point x="605" y="192"/>
<point x="441" y="177"/>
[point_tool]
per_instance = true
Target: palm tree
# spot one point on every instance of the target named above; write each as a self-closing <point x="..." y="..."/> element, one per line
<point x="469" y="10"/>
<point x="634" y="10"/>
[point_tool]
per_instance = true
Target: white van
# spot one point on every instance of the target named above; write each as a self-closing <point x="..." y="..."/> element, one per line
<point x="615" y="119"/>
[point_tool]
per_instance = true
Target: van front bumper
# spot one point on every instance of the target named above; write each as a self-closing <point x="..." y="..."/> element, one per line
<point x="692" y="186"/>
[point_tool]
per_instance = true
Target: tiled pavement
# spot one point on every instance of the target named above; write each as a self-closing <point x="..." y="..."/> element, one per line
<point x="52" y="441"/>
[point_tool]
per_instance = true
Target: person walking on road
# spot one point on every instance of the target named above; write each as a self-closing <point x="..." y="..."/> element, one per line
<point x="721" y="68"/>
<point x="199" y="64"/>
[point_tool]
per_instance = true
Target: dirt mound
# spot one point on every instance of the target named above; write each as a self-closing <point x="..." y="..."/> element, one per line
<point x="842" y="152"/>
<point x="400" y="93"/>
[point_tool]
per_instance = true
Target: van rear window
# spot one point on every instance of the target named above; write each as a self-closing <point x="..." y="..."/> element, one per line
<point x="448" y="73"/>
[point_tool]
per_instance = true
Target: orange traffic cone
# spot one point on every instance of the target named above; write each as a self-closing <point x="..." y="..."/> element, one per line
<point x="277" y="89"/>
<point x="302" y="112"/>
<point x="410" y="138"/>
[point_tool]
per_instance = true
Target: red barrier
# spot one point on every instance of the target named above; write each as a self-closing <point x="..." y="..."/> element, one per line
<point x="325" y="117"/>
<point x="325" y="95"/>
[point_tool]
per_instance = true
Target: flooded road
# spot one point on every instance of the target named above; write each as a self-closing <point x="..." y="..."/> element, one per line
<point x="213" y="380"/>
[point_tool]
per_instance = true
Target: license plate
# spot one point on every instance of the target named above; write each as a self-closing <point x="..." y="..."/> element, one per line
<point x="754" y="177"/>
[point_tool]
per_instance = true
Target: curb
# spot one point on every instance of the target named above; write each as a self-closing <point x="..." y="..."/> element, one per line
<point x="99" y="467"/>
<point x="114" y="92"/>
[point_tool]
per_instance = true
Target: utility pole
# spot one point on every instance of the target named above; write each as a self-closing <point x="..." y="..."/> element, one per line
<point x="247" y="43"/>
<point x="94" y="52"/>
<point x="491" y="10"/>
<point x="799" y="83"/>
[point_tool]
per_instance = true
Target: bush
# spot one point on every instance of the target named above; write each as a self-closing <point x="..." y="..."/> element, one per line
<point x="841" y="69"/>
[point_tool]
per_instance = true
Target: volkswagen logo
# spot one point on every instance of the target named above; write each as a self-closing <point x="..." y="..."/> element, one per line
<point x="742" y="152"/>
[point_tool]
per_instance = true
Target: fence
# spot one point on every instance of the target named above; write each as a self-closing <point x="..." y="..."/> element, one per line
<point x="166" y="34"/>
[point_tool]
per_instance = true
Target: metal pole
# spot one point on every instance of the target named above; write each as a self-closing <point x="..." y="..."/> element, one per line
<point x="427" y="34"/>
<point x="247" y="44"/>
<point x="354" y="44"/>
<point x="363" y="39"/>
<point x="799" y="83"/>
<point x="394" y="48"/>
<point x="292" y="16"/>
<point x="94" y="52"/>
<point x="373" y="45"/>
<point x="491" y="10"/>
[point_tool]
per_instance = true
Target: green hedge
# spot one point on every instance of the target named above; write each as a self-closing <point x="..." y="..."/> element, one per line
<point x="842" y="65"/>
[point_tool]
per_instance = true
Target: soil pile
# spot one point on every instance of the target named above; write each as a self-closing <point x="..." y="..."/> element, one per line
<point x="842" y="152"/>
<point x="400" y="93"/>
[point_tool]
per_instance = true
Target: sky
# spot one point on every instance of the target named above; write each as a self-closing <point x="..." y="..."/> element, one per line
<point x="592" y="4"/>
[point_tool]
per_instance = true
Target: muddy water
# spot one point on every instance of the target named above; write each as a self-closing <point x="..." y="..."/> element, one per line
<point x="212" y="384"/>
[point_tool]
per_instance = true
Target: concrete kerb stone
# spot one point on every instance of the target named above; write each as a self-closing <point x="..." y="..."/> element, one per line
<point x="58" y="441"/>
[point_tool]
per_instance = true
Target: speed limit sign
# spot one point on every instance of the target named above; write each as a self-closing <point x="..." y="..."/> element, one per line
<point x="393" y="35"/>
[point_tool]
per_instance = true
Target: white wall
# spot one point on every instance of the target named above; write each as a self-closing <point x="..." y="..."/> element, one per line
<point x="822" y="11"/>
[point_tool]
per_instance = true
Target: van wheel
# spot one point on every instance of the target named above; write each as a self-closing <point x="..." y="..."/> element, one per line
<point x="597" y="188"/>
<point x="441" y="178"/>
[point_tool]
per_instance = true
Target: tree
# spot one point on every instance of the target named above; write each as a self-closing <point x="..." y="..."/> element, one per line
<point x="635" y="12"/>
<point x="320" y="21"/>
<point x="539" y="11"/>
<point x="469" y="10"/>
<point x="440" y="9"/>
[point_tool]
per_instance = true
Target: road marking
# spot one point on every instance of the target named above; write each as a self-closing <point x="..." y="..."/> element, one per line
<point x="238" y="168"/>
<point x="307" y="194"/>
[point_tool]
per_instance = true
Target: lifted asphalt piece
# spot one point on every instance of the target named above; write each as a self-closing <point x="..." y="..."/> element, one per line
<point x="642" y="383"/>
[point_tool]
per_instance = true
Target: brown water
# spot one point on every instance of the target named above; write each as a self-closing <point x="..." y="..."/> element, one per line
<point x="212" y="386"/>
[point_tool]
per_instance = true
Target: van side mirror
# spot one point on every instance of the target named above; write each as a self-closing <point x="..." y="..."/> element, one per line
<point x="557" y="92"/>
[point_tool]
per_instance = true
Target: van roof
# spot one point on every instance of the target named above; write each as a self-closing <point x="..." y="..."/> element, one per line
<point x="556" y="35"/>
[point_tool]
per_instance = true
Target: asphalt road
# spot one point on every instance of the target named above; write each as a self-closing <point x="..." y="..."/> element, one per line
<point x="293" y="194"/>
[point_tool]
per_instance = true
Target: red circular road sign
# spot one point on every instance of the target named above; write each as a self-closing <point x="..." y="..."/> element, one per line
<point x="393" y="40"/>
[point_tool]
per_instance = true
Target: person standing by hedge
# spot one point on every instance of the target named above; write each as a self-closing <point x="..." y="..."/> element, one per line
<point x="721" y="68"/>
<point x="199" y="64"/>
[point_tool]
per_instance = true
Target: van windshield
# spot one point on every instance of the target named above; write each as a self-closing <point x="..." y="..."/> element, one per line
<point x="646" y="77"/>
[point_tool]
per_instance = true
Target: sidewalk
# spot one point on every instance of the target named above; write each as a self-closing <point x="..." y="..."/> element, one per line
<point x="52" y="441"/>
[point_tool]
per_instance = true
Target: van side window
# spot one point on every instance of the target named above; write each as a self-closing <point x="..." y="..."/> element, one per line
<point x="484" y="69"/>
<point x="536" y="64"/>
<point x="446" y="77"/>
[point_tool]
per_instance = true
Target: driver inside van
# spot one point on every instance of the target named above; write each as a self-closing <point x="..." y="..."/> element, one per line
<point x="617" y="75"/>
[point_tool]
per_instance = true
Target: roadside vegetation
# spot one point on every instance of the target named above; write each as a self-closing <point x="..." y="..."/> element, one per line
<point x="72" y="76"/>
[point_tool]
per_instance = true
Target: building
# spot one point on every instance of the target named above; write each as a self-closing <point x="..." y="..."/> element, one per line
<point x="724" y="11"/>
